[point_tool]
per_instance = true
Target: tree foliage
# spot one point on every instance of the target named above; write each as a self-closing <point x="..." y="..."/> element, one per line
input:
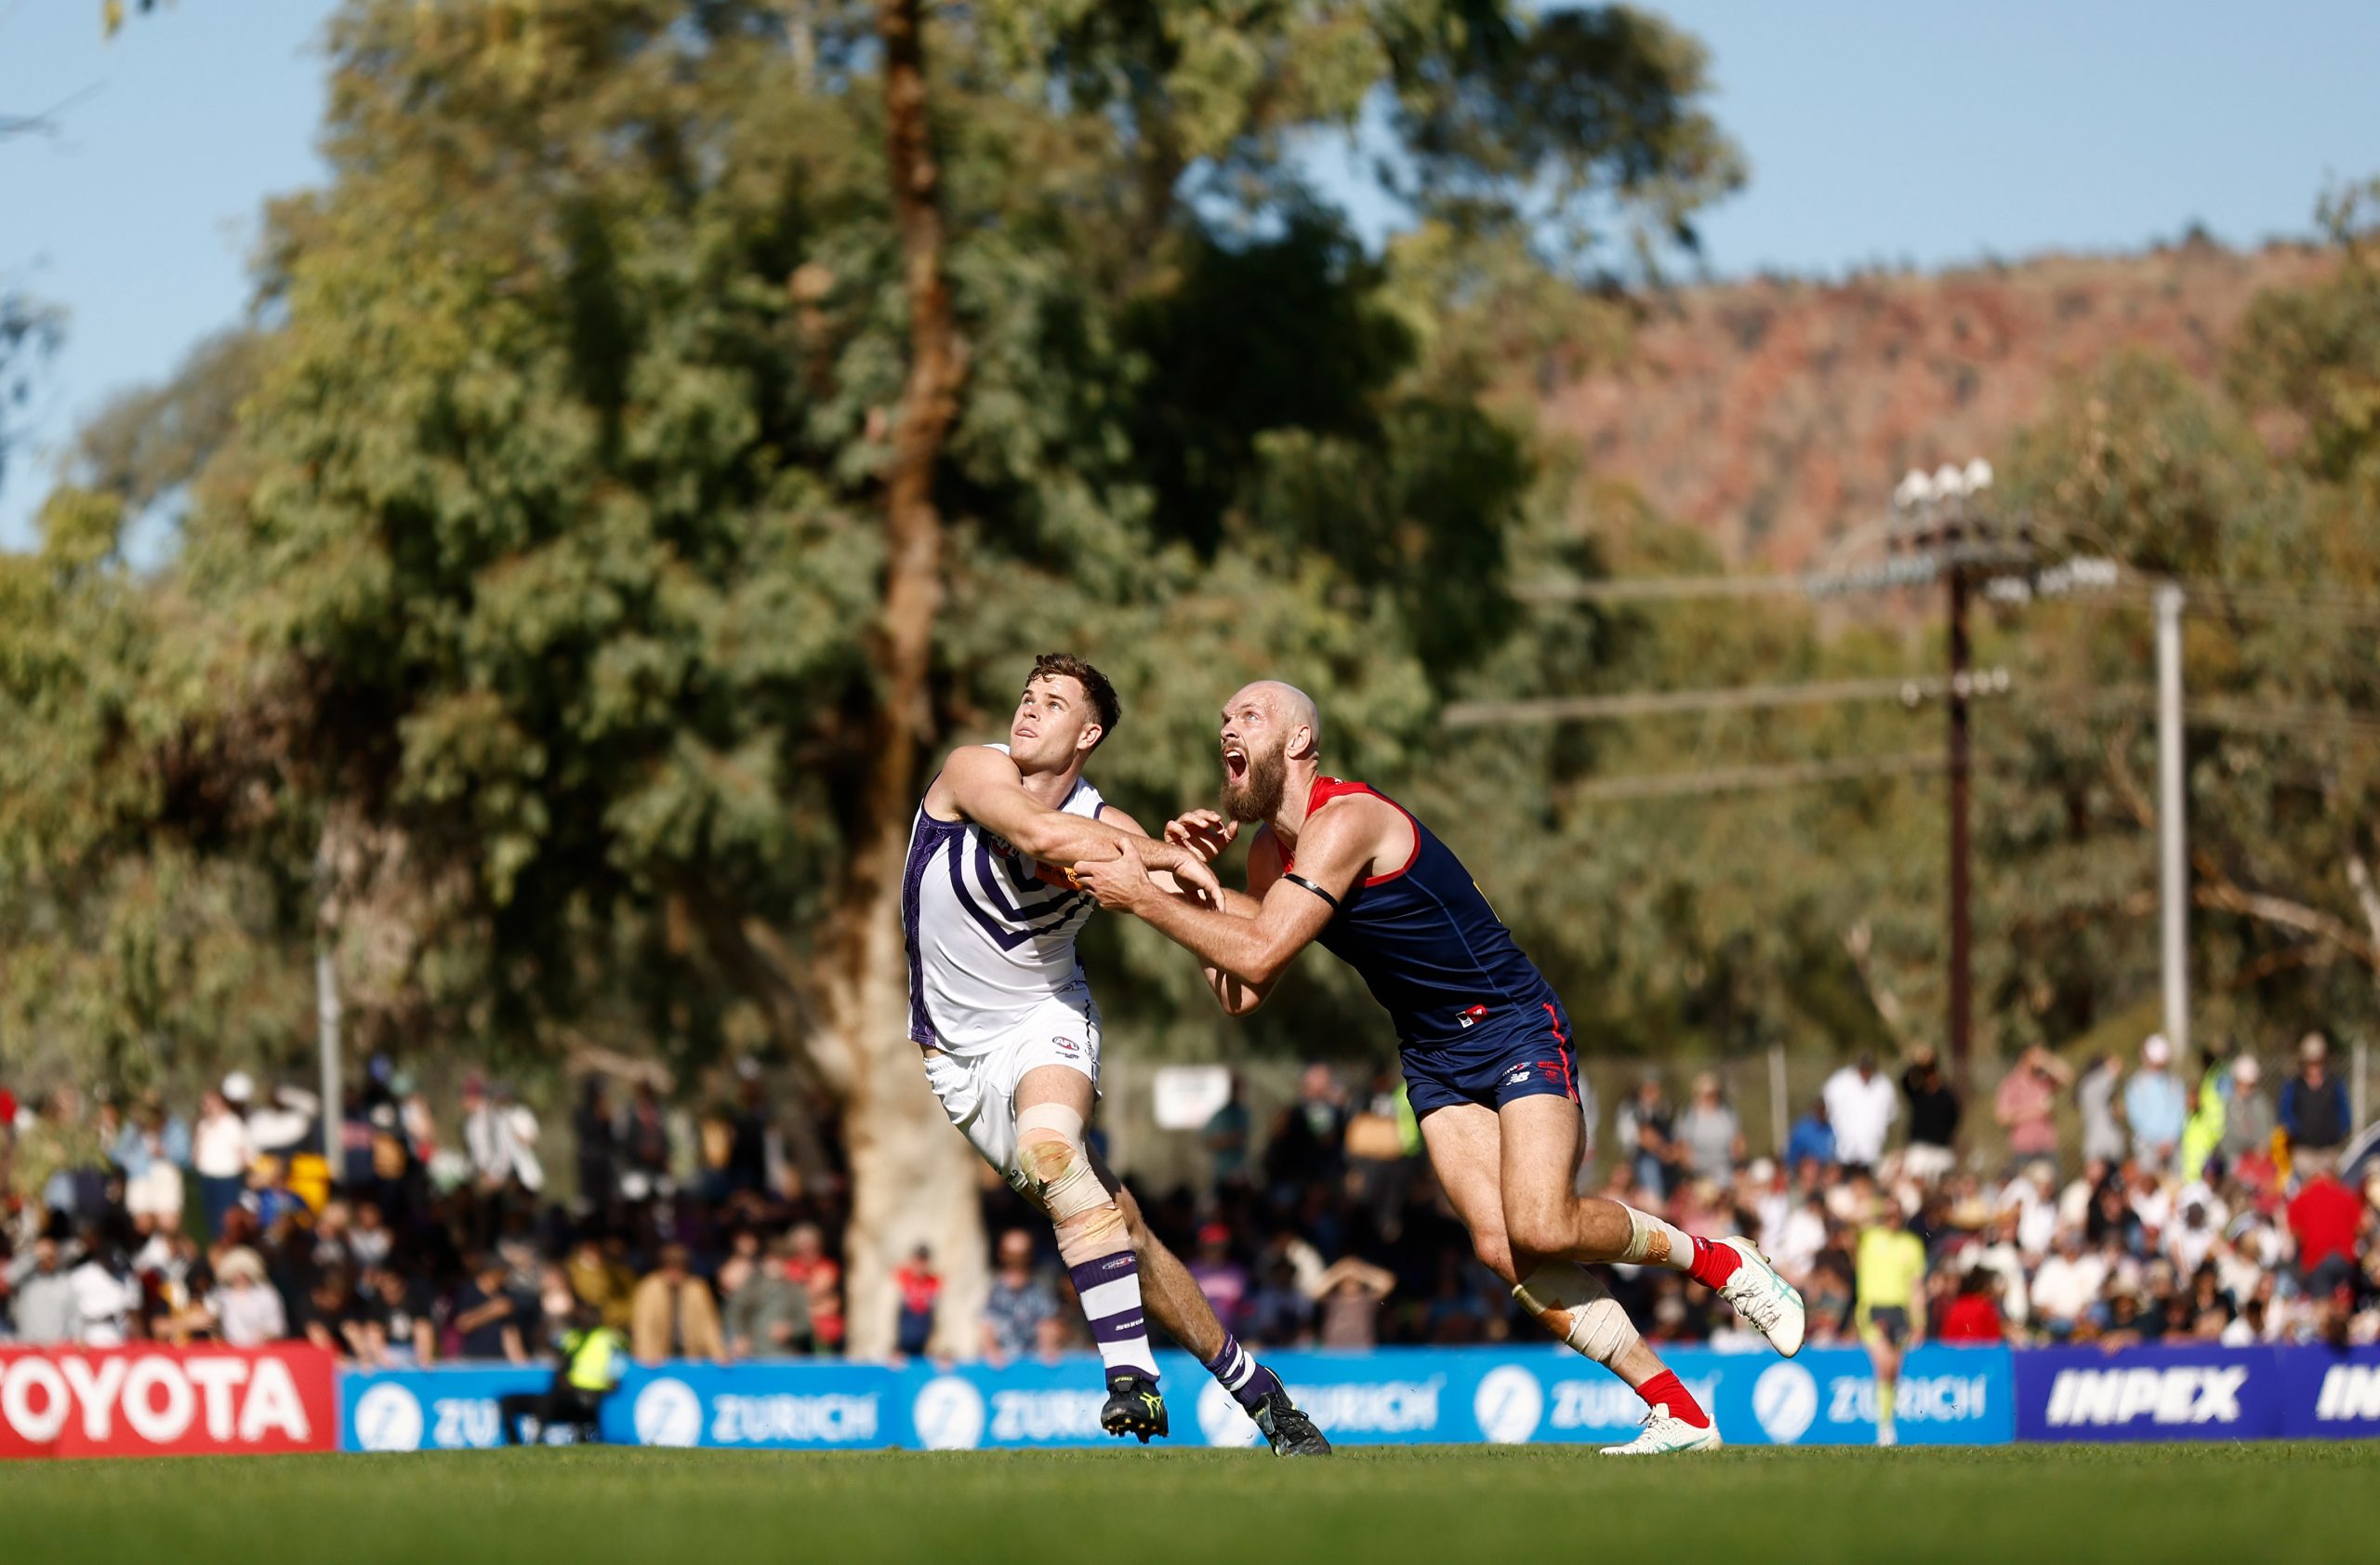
<point x="536" y="629"/>
<point x="525" y="629"/>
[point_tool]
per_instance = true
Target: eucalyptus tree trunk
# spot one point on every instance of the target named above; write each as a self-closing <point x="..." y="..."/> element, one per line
<point x="913" y="1178"/>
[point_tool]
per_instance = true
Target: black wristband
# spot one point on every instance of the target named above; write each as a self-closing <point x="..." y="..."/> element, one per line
<point x="1295" y="878"/>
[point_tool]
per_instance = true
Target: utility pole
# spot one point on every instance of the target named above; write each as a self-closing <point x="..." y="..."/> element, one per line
<point x="2173" y="824"/>
<point x="1942" y="530"/>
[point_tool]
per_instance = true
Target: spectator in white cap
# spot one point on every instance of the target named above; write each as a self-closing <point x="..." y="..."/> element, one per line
<point x="2247" y="1112"/>
<point x="2152" y="1101"/>
<point x="247" y="1311"/>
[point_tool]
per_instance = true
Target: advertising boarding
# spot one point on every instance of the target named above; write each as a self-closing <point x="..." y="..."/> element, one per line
<point x="1397" y="1397"/>
<point x="166" y="1401"/>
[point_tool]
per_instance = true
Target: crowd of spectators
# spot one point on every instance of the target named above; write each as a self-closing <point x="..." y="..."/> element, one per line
<point x="2187" y="1207"/>
<point x="690" y="1233"/>
<point x="2200" y="1208"/>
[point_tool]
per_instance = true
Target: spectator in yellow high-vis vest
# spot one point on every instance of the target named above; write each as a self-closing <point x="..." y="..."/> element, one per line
<point x="1888" y="1269"/>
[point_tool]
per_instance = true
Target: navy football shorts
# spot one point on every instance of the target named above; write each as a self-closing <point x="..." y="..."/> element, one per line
<point x="1509" y="1056"/>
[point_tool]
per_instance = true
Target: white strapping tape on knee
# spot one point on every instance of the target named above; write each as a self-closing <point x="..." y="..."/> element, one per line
<point x="1576" y="1307"/>
<point x="1076" y="1189"/>
<point x="1050" y="1116"/>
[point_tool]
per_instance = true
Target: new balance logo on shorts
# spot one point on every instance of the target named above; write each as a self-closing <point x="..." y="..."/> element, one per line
<point x="1473" y="1015"/>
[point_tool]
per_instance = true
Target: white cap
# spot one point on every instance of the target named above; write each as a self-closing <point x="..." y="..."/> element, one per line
<point x="2245" y="1071"/>
<point x="238" y="1088"/>
<point x="2157" y="1051"/>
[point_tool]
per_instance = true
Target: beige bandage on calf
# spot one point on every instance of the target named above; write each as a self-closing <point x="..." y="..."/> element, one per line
<point x="1577" y="1308"/>
<point x="1652" y="1242"/>
<point x="1049" y="1148"/>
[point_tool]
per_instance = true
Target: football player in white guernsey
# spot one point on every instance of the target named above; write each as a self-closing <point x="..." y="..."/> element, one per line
<point x="999" y="1006"/>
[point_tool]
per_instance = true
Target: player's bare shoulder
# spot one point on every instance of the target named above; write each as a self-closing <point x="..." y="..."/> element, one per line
<point x="964" y="769"/>
<point x="1362" y="827"/>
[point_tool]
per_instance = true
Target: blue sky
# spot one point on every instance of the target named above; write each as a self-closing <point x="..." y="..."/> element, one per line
<point x="1917" y="131"/>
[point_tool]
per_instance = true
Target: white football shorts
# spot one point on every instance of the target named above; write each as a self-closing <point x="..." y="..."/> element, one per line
<point x="978" y="1088"/>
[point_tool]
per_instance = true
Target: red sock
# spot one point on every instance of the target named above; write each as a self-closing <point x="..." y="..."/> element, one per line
<point x="1713" y="1264"/>
<point x="1665" y="1387"/>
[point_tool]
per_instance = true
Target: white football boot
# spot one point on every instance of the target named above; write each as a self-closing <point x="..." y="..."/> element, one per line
<point x="1771" y="1303"/>
<point x="1665" y="1436"/>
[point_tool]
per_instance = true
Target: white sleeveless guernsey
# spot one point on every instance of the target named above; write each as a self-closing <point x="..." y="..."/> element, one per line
<point x="991" y="940"/>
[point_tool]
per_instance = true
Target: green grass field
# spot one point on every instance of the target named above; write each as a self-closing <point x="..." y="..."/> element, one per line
<point x="2013" y="1506"/>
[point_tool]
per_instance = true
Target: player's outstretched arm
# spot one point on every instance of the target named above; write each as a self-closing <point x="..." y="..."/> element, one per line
<point x="1292" y="913"/>
<point x="988" y="789"/>
<point x="1236" y="995"/>
<point x="1220" y="896"/>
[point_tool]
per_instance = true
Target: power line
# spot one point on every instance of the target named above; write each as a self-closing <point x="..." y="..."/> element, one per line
<point x="1656" y="588"/>
<point x="2247" y="716"/>
<point x="1663" y="703"/>
<point x="2342" y="604"/>
<point x="1741" y="779"/>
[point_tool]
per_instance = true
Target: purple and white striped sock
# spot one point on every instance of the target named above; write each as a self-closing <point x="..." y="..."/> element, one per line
<point x="1241" y="1374"/>
<point x="1110" y="1290"/>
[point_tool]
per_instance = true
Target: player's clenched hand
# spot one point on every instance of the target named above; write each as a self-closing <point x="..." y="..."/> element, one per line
<point x="1204" y="833"/>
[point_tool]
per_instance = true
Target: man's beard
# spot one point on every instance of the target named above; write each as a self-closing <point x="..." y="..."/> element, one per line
<point x="1256" y="796"/>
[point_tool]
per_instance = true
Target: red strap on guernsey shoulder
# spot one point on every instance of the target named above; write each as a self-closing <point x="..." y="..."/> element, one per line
<point x="1327" y="788"/>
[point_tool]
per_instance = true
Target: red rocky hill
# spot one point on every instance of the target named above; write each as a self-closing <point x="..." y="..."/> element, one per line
<point x="1772" y="415"/>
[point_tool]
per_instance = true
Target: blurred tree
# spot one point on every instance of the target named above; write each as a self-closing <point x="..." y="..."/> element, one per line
<point x="677" y="422"/>
<point x="29" y="334"/>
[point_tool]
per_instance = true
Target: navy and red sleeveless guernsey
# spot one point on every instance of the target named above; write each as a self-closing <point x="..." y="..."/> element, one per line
<point x="1476" y="1021"/>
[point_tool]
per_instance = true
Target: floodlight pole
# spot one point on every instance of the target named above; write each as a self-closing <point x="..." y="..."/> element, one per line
<point x="329" y="1014"/>
<point x="1962" y="1019"/>
<point x="2173" y="824"/>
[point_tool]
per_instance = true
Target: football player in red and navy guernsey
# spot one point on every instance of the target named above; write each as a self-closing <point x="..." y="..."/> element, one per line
<point x="1483" y="1041"/>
